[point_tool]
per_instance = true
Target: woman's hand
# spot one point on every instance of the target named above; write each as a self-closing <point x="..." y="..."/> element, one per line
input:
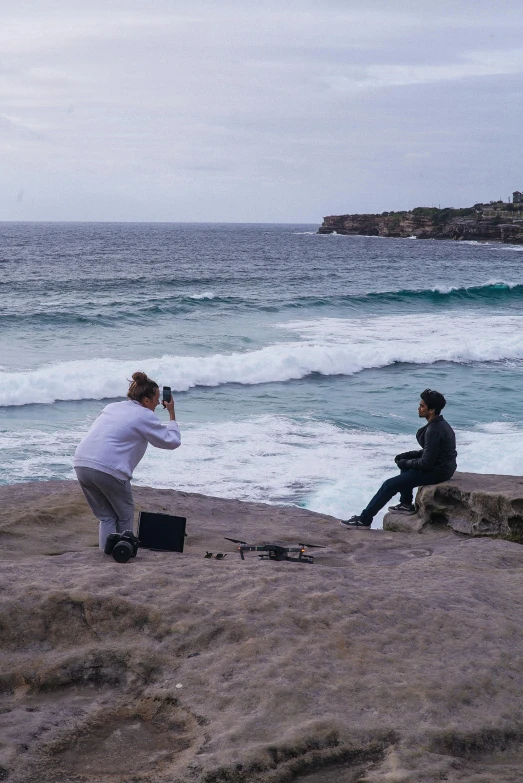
<point x="169" y="406"/>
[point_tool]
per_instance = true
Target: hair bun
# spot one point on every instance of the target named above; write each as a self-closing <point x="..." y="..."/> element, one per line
<point x="141" y="387"/>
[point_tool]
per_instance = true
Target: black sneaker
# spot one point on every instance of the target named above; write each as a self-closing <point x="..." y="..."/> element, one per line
<point x="354" y="521"/>
<point x="403" y="508"/>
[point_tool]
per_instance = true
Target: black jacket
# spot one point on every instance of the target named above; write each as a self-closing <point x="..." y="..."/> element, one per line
<point x="438" y="450"/>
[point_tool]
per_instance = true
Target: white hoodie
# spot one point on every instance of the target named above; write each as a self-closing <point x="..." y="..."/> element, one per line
<point x="119" y="437"/>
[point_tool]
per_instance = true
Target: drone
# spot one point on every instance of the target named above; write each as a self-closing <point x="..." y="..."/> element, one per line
<point x="277" y="551"/>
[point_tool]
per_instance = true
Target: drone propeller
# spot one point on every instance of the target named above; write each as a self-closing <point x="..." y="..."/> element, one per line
<point x="234" y="540"/>
<point x="314" y="546"/>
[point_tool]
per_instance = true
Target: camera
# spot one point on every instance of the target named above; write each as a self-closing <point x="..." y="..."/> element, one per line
<point x="122" y="546"/>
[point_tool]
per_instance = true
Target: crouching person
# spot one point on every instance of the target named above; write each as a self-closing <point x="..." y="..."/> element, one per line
<point x="106" y="457"/>
<point x="434" y="463"/>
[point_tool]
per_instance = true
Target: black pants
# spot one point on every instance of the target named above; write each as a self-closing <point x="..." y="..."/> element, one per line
<point x="404" y="484"/>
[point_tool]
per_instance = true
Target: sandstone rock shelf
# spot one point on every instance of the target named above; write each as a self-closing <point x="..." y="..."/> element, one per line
<point x="482" y="223"/>
<point x="394" y="658"/>
<point x="473" y="504"/>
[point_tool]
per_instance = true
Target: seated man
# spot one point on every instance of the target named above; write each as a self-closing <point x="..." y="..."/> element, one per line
<point x="435" y="462"/>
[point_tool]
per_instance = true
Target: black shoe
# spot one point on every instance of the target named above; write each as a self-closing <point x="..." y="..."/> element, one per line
<point x="403" y="508"/>
<point x="354" y="521"/>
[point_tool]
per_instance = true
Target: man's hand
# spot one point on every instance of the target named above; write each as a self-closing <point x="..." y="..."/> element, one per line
<point x="169" y="406"/>
<point x="401" y="463"/>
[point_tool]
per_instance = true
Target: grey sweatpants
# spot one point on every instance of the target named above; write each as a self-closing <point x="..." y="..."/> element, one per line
<point x="110" y="499"/>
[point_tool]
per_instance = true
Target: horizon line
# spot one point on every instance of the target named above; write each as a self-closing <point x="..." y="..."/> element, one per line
<point x="174" y="222"/>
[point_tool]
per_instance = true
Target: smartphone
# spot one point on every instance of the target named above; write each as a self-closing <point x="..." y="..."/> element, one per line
<point x="166" y="395"/>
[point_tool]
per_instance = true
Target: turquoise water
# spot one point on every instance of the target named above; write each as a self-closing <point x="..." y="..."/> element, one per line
<point x="296" y="359"/>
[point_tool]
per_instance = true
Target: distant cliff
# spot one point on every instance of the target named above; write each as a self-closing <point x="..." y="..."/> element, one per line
<point x="494" y="222"/>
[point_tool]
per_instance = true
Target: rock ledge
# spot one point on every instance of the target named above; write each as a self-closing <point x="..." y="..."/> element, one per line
<point x="470" y="503"/>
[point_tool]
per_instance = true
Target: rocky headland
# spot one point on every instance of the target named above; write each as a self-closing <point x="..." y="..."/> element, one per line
<point x="396" y="657"/>
<point x="494" y="222"/>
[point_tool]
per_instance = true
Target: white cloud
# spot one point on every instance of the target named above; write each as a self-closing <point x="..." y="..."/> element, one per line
<point x="473" y="65"/>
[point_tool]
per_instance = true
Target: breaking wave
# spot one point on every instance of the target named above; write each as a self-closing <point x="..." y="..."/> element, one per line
<point x="494" y="289"/>
<point x="113" y="311"/>
<point x="328" y="346"/>
<point x="488" y="293"/>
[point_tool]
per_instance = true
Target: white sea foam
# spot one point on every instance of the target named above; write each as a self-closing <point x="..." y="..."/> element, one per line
<point x="203" y="295"/>
<point x="329" y="346"/>
<point x="416" y="338"/>
<point x="472" y="242"/>
<point x="480" y="450"/>
<point x="271" y="459"/>
<point x="517" y="248"/>
<point x="444" y="289"/>
<point x="448" y="289"/>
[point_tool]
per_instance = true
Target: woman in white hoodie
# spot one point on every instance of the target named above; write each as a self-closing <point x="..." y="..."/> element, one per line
<point x="106" y="457"/>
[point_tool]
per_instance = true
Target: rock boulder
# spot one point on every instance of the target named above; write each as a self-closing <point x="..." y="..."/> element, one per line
<point x="471" y="503"/>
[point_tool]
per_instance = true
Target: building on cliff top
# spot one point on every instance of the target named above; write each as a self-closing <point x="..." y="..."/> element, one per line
<point x="517" y="197"/>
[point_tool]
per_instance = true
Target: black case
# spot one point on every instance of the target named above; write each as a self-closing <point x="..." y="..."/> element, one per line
<point x="161" y="531"/>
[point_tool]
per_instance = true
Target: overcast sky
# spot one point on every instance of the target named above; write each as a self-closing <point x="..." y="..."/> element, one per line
<point x="252" y="111"/>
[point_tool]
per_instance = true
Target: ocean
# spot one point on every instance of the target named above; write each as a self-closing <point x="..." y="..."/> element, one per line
<point x="296" y="359"/>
